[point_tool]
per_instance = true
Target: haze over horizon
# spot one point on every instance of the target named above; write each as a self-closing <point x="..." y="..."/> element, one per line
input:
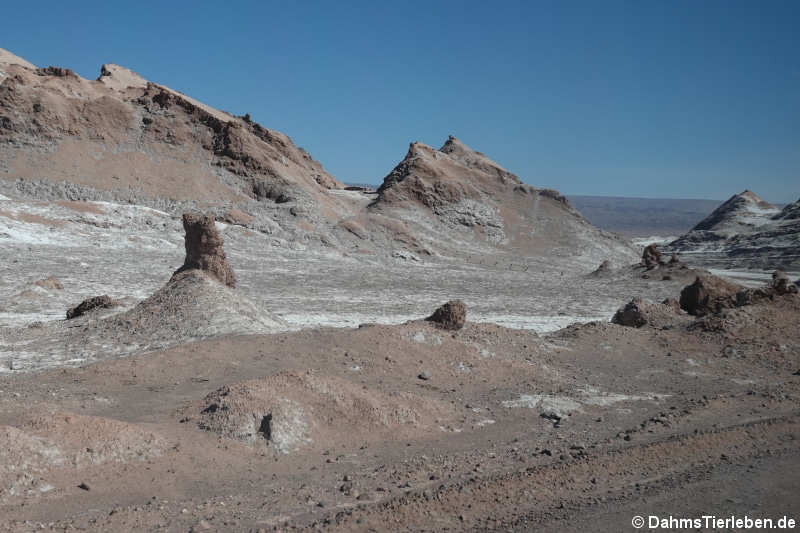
<point x="652" y="100"/>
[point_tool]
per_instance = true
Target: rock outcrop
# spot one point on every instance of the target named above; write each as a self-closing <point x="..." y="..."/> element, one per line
<point x="90" y="304"/>
<point x="639" y="312"/>
<point x="651" y="257"/>
<point x="781" y="283"/>
<point x="708" y="294"/>
<point x="452" y="315"/>
<point x="204" y="249"/>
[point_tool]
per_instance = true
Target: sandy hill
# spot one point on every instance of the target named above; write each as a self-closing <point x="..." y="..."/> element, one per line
<point x="470" y="195"/>
<point x="746" y="231"/>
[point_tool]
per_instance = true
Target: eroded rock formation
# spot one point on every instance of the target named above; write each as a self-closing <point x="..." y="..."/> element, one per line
<point x="204" y="249"/>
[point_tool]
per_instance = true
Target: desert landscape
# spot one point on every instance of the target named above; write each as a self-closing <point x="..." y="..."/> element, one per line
<point x="201" y="329"/>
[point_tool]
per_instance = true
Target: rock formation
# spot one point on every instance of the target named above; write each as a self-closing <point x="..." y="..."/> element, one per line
<point x="150" y="138"/>
<point x="651" y="257"/>
<point x="90" y="304"/>
<point x="452" y="315"/>
<point x="708" y="294"/>
<point x="468" y="198"/>
<point x="639" y="312"/>
<point x="204" y="249"/>
<point x="782" y="284"/>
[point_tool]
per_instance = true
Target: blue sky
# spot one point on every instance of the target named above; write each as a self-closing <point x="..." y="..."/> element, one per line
<point x="686" y="99"/>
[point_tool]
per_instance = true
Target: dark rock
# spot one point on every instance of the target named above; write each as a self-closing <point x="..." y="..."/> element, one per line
<point x="204" y="249"/>
<point x="452" y="315"/>
<point x="708" y="294"/>
<point x="95" y="302"/>
<point x="782" y="284"/>
<point x="651" y="257"/>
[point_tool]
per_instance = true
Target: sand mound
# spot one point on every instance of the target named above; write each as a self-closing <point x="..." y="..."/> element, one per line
<point x="290" y="411"/>
<point x="92" y="440"/>
<point x="30" y="454"/>
<point x="193" y="305"/>
<point x="204" y="249"/>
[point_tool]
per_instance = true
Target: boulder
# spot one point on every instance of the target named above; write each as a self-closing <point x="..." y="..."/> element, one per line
<point x="639" y="312"/>
<point x="651" y="257"/>
<point x="781" y="283"/>
<point x="708" y="294"/>
<point x="451" y="315"/>
<point x="95" y="302"/>
<point x="204" y="249"/>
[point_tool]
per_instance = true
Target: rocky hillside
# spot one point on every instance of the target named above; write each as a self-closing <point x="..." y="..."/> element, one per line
<point x="124" y="133"/>
<point x="463" y="191"/>
<point x="745" y="232"/>
<point x="124" y="139"/>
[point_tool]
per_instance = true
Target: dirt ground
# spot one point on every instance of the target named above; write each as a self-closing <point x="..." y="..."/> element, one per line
<point x="414" y="428"/>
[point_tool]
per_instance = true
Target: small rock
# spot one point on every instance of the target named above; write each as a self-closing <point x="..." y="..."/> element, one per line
<point x="424" y="375"/>
<point x="84" y="486"/>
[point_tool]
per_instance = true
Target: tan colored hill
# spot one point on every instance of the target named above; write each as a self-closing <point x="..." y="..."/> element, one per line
<point x="124" y="132"/>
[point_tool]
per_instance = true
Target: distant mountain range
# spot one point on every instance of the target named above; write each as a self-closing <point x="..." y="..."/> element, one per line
<point x="643" y="217"/>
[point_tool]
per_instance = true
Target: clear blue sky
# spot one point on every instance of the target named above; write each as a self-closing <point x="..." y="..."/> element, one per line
<point x="695" y="99"/>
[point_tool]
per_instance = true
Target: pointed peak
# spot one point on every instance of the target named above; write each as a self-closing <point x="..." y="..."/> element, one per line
<point x="751" y="197"/>
<point x="120" y="78"/>
<point x="416" y="148"/>
<point x="7" y="58"/>
<point x="453" y="145"/>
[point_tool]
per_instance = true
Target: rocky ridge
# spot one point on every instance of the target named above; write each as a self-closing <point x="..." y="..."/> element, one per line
<point x="745" y="232"/>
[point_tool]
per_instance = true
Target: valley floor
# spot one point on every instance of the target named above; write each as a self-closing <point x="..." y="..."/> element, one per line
<point x="518" y="421"/>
